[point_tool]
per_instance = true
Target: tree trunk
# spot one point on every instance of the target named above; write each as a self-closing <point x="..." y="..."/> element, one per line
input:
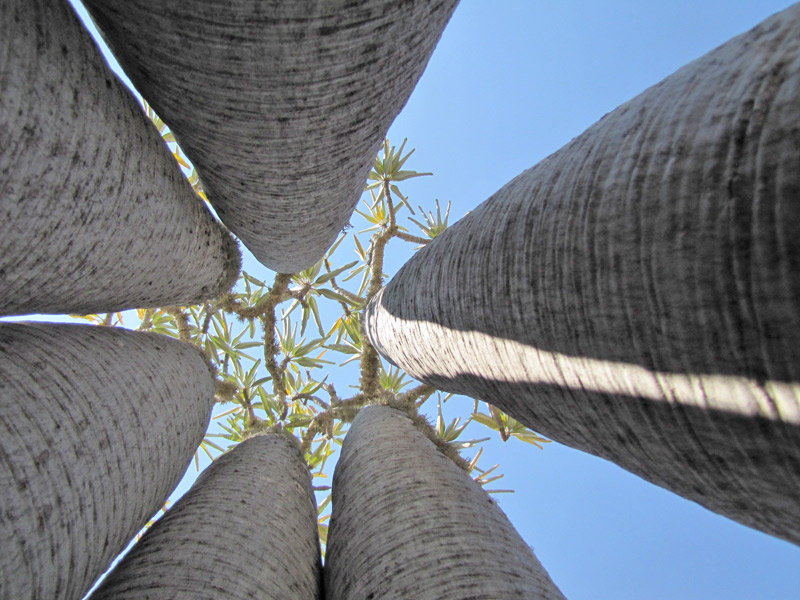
<point x="281" y="106"/>
<point x="636" y="294"/>
<point x="408" y="523"/>
<point x="246" y="529"/>
<point x="97" y="426"/>
<point x="95" y="215"/>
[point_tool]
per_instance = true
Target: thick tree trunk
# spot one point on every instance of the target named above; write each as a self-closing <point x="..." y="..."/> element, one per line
<point x="97" y="426"/>
<point x="281" y="105"/>
<point x="637" y="294"/>
<point x="95" y="215"/>
<point x="246" y="529"/>
<point x="408" y="523"/>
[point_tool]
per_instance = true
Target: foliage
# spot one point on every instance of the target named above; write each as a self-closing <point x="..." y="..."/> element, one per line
<point x="278" y="346"/>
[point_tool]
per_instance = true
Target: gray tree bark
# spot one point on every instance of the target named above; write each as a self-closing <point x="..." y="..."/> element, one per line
<point x="637" y="294"/>
<point x="281" y="105"/>
<point x="408" y="523"/>
<point x="246" y="529"/>
<point x="97" y="426"/>
<point x="95" y="214"/>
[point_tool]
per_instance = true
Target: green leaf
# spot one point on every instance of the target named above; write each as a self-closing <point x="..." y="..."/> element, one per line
<point x="485" y="420"/>
<point x="354" y="272"/>
<point x="298" y="421"/>
<point x="306" y="348"/>
<point x="313" y="304"/>
<point x="246" y="345"/>
<point x="331" y="295"/>
<point x="343" y="348"/>
<point x="333" y="248"/>
<point x="208" y="442"/>
<point x="352" y="331"/>
<point x="252" y="279"/>
<point x="328" y="276"/>
<point x="304" y="319"/>
<point x="360" y="249"/>
<point x="324" y="504"/>
<point x="529" y="437"/>
<point x="292" y="306"/>
<point x="312" y="363"/>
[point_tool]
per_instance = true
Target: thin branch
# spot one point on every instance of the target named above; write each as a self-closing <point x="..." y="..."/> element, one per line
<point x="147" y="320"/>
<point x="300" y="294"/>
<point x="417" y="395"/>
<point x="355" y="298"/>
<point x="370" y="362"/>
<point x="181" y="322"/>
<point x="207" y="320"/>
<point x="390" y="205"/>
<point x="411" y="238"/>
<point x="331" y="391"/>
<point x="276" y="294"/>
<point x="252" y="419"/>
<point x="319" y="401"/>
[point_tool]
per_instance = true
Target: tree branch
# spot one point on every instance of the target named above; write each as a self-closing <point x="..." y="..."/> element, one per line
<point x="277" y="293"/>
<point x="411" y="238"/>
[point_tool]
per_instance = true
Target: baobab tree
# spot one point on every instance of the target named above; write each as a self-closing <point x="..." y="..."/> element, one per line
<point x="246" y="529"/>
<point x="95" y="214"/>
<point x="636" y="294"/>
<point x="281" y="106"/>
<point x="97" y="427"/>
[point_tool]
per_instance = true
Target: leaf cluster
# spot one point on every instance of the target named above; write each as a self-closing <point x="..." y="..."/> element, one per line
<point x="278" y="341"/>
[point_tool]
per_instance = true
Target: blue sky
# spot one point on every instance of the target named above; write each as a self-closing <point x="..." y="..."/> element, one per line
<point x="510" y="83"/>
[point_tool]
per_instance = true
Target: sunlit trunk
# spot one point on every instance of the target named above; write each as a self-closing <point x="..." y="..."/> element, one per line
<point x="280" y="105"/>
<point x="97" y="426"/>
<point x="637" y="294"/>
<point x="95" y="215"/>
<point x="408" y="523"/>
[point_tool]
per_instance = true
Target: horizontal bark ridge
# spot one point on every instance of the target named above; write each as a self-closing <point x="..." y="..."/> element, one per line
<point x="95" y="215"/>
<point x="281" y="106"/>
<point x="246" y="529"/>
<point x="408" y="523"/>
<point x="636" y="294"/>
<point x="97" y="426"/>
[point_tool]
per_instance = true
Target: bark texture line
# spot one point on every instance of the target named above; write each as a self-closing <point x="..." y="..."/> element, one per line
<point x="281" y="105"/>
<point x="408" y="523"/>
<point x="637" y="294"/>
<point x="97" y="426"/>
<point x="95" y="215"/>
<point x="246" y="529"/>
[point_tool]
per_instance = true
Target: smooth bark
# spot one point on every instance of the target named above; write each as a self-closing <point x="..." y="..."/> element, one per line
<point x="246" y="529"/>
<point x="637" y="294"/>
<point x="408" y="523"/>
<point x="97" y="426"/>
<point x="281" y="105"/>
<point x="95" y="214"/>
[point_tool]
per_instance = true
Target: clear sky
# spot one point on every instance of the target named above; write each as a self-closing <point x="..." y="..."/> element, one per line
<point x="510" y="83"/>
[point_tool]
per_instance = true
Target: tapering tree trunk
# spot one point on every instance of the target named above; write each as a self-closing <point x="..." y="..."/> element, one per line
<point x="281" y="105"/>
<point x="637" y="294"/>
<point x="97" y="426"/>
<point x="408" y="523"/>
<point x="95" y="215"/>
<point x="246" y="529"/>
